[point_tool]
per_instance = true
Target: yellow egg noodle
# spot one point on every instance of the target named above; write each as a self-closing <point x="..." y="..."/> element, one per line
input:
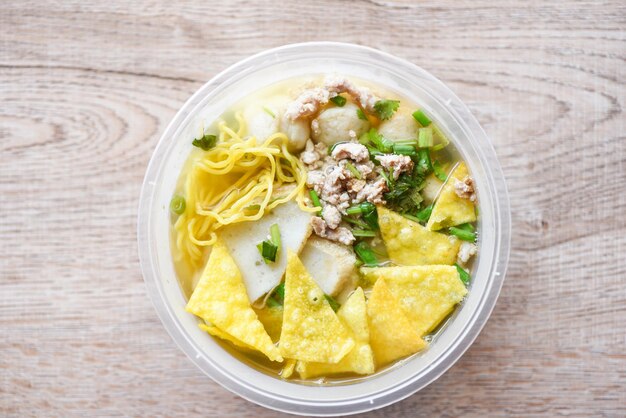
<point x="234" y="182"/>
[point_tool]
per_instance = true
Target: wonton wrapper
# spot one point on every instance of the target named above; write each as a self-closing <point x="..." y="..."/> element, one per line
<point x="427" y="294"/>
<point x="409" y="243"/>
<point x="450" y="209"/>
<point x="287" y="371"/>
<point x="360" y="360"/>
<point x="216" y="332"/>
<point x="272" y="320"/>
<point x="392" y="335"/>
<point x="220" y="298"/>
<point x="311" y="329"/>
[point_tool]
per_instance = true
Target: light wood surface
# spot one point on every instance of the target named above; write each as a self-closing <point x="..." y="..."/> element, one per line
<point x="87" y="87"/>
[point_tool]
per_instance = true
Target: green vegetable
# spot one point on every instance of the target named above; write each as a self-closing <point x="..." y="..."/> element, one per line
<point x="338" y="100"/>
<point x="377" y="140"/>
<point x="439" y="171"/>
<point x="424" y="214"/>
<point x="411" y="217"/>
<point x="269" y="248"/>
<point x="386" y="108"/>
<point x="356" y="173"/>
<point x="331" y="301"/>
<point x="272" y="303"/>
<point x="363" y="233"/>
<point x="332" y="147"/>
<point x="206" y="142"/>
<point x="360" y="114"/>
<point x="275" y="234"/>
<point x="466" y="227"/>
<point x="178" y="205"/>
<point x="365" y="254"/>
<point x="443" y="140"/>
<point x="423" y="165"/>
<point x="355" y="222"/>
<point x="269" y="112"/>
<point x="464" y="275"/>
<point x="373" y="152"/>
<point x="401" y="149"/>
<point x="316" y="200"/>
<point x="279" y="292"/>
<point x="462" y="234"/>
<point x="425" y="138"/>
<point x="268" y="251"/>
<point x="369" y="213"/>
<point x="421" y="117"/>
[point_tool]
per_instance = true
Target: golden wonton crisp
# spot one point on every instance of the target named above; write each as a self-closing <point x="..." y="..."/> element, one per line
<point x="216" y="332"/>
<point x="360" y="359"/>
<point x="287" y="371"/>
<point x="311" y="329"/>
<point x="409" y="243"/>
<point x="272" y="320"/>
<point x="392" y="336"/>
<point x="220" y="298"/>
<point x="427" y="294"/>
<point x="450" y="209"/>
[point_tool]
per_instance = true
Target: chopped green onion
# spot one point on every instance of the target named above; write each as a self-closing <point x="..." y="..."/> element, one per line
<point x="206" y="142"/>
<point x="360" y="114"/>
<point x="275" y="234"/>
<point x="280" y="291"/>
<point x="356" y="222"/>
<point x="338" y="100"/>
<point x="425" y="137"/>
<point x="363" y="233"/>
<point x="178" y="205"/>
<point x="365" y="254"/>
<point x="411" y="142"/>
<point x="404" y="150"/>
<point x="421" y="117"/>
<point x="466" y="227"/>
<point x="331" y="301"/>
<point x="411" y="217"/>
<point x="316" y="200"/>
<point x="356" y="173"/>
<point x="439" y="171"/>
<point x="268" y="251"/>
<point x="424" y="214"/>
<point x="464" y="275"/>
<point x="354" y="210"/>
<point x="444" y="141"/>
<point x="252" y="208"/>
<point x="386" y="108"/>
<point x="370" y="217"/>
<point x="269" y="112"/>
<point x="373" y="152"/>
<point x="462" y="234"/>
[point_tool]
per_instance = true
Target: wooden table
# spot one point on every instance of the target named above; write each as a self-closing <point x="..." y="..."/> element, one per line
<point x="87" y="87"/>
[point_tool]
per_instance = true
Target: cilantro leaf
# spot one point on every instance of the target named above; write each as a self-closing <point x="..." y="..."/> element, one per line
<point x="386" y="108"/>
<point x="206" y="142"/>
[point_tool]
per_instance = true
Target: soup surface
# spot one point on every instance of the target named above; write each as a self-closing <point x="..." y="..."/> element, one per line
<point x="323" y="229"/>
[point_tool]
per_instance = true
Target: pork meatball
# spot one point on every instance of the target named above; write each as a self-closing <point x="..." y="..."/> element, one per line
<point x="337" y="124"/>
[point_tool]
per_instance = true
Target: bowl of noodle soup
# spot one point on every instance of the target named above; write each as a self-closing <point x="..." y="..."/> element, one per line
<point x="163" y="179"/>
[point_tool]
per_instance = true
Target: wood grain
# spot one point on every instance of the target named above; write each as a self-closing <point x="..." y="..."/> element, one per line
<point x="87" y="87"/>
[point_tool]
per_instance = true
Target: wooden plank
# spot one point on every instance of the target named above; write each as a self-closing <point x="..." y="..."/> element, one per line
<point x="87" y="88"/>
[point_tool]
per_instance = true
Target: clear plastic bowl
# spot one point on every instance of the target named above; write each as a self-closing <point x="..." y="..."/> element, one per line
<point x="269" y="67"/>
